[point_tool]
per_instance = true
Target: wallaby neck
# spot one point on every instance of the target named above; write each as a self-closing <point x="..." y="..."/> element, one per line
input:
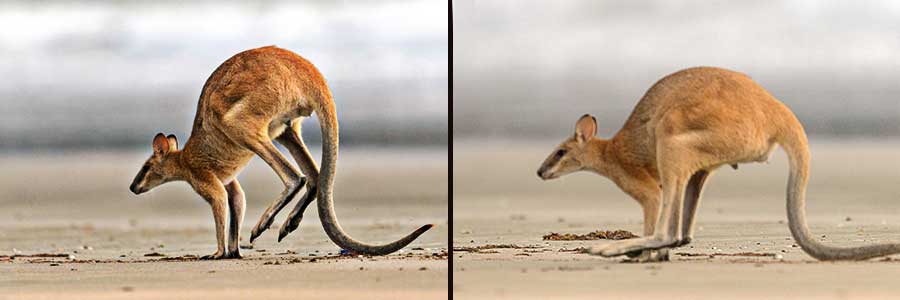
<point x="177" y="165"/>
<point x="605" y="159"/>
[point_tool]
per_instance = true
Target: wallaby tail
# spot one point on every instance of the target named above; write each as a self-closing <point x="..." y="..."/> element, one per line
<point x="795" y="144"/>
<point x="328" y="122"/>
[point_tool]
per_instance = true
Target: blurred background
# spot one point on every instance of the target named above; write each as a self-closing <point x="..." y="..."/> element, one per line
<point x="529" y="69"/>
<point x="101" y="74"/>
<point x="87" y="84"/>
<point x="525" y="70"/>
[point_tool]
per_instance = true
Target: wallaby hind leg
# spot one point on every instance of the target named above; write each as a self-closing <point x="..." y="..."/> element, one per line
<point x="667" y="230"/>
<point x="236" y="205"/>
<point x="682" y="186"/>
<point x="293" y="141"/>
<point x="691" y="201"/>
<point x="288" y="174"/>
<point x="674" y="158"/>
<point x="650" y="207"/>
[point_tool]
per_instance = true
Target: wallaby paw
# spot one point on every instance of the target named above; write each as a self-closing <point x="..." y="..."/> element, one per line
<point x="217" y="255"/>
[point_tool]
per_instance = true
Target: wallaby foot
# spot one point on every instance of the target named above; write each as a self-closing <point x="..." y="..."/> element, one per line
<point x="648" y="256"/>
<point x="217" y="255"/>
<point x="634" y="254"/>
<point x="683" y="241"/>
<point x="265" y="221"/>
<point x="233" y="255"/>
<point x="293" y="220"/>
<point x="622" y="247"/>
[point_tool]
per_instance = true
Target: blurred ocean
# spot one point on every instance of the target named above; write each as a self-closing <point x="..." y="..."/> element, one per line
<point x="528" y="69"/>
<point x="98" y="75"/>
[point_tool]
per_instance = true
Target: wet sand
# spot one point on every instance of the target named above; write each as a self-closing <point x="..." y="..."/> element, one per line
<point x="853" y="199"/>
<point x="146" y="247"/>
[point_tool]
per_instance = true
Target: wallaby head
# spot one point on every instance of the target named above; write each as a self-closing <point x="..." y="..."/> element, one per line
<point x="160" y="167"/>
<point x="574" y="154"/>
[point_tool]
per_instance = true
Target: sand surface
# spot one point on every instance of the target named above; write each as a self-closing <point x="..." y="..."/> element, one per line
<point x="853" y="199"/>
<point x="78" y="204"/>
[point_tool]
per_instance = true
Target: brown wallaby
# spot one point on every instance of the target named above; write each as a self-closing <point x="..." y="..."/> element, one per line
<point x="685" y="127"/>
<point x="252" y="98"/>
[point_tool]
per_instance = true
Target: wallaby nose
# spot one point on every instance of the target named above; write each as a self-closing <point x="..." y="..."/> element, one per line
<point x="134" y="189"/>
<point x="540" y="173"/>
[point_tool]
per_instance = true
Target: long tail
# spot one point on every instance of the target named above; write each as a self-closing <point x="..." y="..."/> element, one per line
<point x="328" y="122"/>
<point x="795" y="144"/>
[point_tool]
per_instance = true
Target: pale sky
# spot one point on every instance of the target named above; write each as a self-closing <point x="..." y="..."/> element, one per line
<point x="113" y="71"/>
<point x="523" y="68"/>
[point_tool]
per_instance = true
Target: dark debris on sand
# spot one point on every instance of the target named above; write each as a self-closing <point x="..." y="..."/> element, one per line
<point x="38" y="256"/>
<point x="711" y="255"/>
<point x="189" y="257"/>
<point x="596" y="235"/>
<point x="490" y="247"/>
<point x="154" y="257"/>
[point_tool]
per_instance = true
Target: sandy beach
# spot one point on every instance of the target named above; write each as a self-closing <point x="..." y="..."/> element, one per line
<point x="115" y="245"/>
<point x="742" y="248"/>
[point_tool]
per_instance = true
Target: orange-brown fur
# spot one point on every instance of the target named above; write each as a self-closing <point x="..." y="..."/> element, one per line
<point x="253" y="98"/>
<point x="686" y="126"/>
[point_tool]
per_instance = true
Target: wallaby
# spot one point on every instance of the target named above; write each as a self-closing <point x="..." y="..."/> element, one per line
<point x="685" y="127"/>
<point x="252" y="98"/>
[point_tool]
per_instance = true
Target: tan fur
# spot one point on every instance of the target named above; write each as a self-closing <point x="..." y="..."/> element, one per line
<point x="255" y="97"/>
<point x="686" y="126"/>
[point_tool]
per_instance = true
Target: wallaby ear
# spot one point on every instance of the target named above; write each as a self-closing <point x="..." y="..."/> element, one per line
<point x="173" y="142"/>
<point x="160" y="144"/>
<point x="585" y="128"/>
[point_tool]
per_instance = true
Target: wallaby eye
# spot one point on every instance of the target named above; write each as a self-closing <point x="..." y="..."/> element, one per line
<point x="560" y="153"/>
